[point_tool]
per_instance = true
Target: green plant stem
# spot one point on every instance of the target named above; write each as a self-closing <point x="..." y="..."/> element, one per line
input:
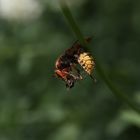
<point x="115" y="90"/>
<point x="68" y="15"/>
<point x="75" y="28"/>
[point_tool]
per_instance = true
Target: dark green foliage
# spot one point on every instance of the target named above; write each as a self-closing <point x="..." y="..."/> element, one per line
<point x="36" y="106"/>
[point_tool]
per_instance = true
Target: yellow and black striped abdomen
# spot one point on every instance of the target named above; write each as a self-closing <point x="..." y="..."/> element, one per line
<point x="87" y="62"/>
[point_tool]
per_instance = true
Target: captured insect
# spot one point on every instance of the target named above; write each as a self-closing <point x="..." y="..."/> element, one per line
<point x="66" y="66"/>
<point x="64" y="69"/>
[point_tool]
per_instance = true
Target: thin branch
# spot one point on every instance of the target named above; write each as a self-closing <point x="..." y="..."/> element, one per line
<point x="75" y="28"/>
<point x="68" y="15"/>
<point x="115" y="90"/>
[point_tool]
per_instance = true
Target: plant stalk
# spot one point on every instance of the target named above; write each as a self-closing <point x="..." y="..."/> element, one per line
<point x="75" y="28"/>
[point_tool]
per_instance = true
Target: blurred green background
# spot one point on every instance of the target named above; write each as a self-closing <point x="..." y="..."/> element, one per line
<point x="34" y="105"/>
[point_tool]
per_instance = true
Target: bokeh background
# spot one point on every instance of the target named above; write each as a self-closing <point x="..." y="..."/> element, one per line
<point x="34" y="105"/>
